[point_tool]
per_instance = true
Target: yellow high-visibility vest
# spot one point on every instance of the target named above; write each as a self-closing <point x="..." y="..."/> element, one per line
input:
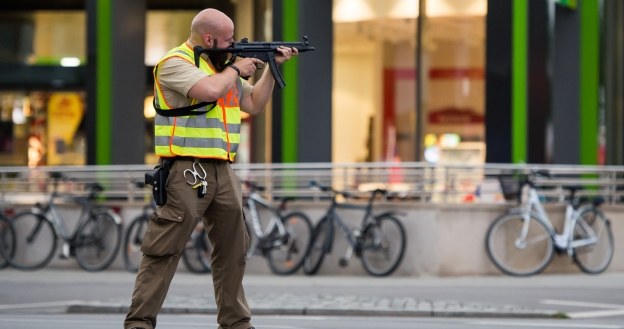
<point x="215" y="134"/>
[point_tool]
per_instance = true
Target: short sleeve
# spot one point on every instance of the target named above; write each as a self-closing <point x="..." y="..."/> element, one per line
<point x="178" y="75"/>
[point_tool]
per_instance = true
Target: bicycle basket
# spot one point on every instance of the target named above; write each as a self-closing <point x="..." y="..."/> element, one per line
<point x="511" y="186"/>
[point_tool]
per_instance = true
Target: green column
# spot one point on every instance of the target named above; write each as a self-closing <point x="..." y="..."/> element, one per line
<point x="104" y="82"/>
<point x="589" y="81"/>
<point x="290" y="32"/>
<point x="519" y="81"/>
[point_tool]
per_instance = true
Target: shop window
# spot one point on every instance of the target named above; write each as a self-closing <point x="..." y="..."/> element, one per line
<point x="42" y="128"/>
<point x="375" y="78"/>
<point x="43" y="38"/>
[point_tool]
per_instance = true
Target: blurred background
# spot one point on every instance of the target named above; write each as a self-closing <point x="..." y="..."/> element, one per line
<point x="441" y="81"/>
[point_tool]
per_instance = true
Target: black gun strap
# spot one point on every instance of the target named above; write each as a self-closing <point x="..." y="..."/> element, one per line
<point x="183" y="111"/>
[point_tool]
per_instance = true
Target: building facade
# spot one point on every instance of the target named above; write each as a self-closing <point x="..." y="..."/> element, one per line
<point x="443" y="81"/>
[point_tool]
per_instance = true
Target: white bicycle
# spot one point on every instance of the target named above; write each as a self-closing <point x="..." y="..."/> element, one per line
<point x="283" y="238"/>
<point x="522" y="241"/>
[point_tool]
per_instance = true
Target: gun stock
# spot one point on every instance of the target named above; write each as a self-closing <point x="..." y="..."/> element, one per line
<point x="262" y="50"/>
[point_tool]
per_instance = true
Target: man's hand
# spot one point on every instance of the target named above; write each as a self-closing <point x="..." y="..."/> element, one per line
<point x="248" y="66"/>
<point x="285" y="53"/>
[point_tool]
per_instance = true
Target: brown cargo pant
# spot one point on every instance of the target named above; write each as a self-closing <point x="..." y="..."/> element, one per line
<point x="169" y="230"/>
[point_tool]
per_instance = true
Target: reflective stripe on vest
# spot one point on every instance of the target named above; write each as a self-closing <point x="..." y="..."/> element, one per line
<point x="215" y="134"/>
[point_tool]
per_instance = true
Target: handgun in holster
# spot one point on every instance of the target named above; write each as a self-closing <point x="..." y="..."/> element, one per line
<point x="157" y="179"/>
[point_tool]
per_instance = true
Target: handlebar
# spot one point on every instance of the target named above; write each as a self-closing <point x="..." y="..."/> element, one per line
<point x="346" y="194"/>
<point x="257" y="188"/>
<point x="93" y="189"/>
<point x="253" y="186"/>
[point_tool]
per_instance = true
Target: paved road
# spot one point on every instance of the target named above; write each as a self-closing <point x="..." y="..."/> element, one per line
<point x="24" y="296"/>
<point x="191" y="321"/>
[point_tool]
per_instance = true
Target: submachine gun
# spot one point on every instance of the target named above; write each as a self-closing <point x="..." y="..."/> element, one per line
<point x="262" y="50"/>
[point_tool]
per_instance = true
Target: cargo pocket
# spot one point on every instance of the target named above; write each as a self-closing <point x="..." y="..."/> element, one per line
<point x="166" y="233"/>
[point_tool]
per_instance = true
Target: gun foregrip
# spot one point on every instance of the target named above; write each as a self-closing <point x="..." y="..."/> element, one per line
<point x="277" y="75"/>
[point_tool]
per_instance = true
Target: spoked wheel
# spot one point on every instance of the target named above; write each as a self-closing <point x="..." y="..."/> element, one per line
<point x="197" y="253"/>
<point x="97" y="243"/>
<point x="320" y="245"/>
<point x="132" y="243"/>
<point x="518" y="247"/>
<point x="288" y="251"/>
<point x="383" y="246"/>
<point x="7" y="241"/>
<point x="35" y="241"/>
<point x="595" y="257"/>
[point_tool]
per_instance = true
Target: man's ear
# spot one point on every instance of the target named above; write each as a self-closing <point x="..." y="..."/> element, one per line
<point x="208" y="40"/>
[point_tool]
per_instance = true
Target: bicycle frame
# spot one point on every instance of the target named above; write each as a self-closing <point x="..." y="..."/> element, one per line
<point x="351" y="236"/>
<point x="253" y="201"/>
<point x="58" y="223"/>
<point x="563" y="241"/>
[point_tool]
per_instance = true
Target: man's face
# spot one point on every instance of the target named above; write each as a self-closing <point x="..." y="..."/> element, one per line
<point x="223" y="40"/>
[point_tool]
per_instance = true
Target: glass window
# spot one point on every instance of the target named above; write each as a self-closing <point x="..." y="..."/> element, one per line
<point x="42" y="128"/>
<point x="43" y="38"/>
<point x="454" y="66"/>
<point x="376" y="75"/>
<point x="165" y="29"/>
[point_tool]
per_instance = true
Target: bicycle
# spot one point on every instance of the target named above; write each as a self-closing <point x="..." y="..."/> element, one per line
<point x="133" y="238"/>
<point x="285" y="239"/>
<point x="379" y="241"/>
<point x="94" y="242"/>
<point x="196" y="254"/>
<point x="198" y="250"/>
<point x="522" y="241"/>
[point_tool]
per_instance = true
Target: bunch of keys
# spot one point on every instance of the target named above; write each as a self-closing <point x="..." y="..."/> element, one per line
<point x="201" y="188"/>
<point x="198" y="174"/>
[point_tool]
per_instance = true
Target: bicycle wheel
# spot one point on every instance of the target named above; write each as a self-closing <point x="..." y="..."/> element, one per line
<point x="319" y="246"/>
<point x="196" y="254"/>
<point x="7" y="241"/>
<point x="383" y="246"/>
<point x="132" y="243"/>
<point x="97" y="242"/>
<point x="515" y="254"/>
<point x="35" y="241"/>
<point x="288" y="251"/>
<point x="596" y="257"/>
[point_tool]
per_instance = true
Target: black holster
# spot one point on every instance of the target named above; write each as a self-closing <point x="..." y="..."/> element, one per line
<point x="157" y="179"/>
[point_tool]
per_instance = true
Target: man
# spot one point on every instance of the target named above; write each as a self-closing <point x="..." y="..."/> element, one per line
<point x="201" y="184"/>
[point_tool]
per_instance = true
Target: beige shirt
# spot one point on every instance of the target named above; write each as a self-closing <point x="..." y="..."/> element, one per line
<point x="177" y="76"/>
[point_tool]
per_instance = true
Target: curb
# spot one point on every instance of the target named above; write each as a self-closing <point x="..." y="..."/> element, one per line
<point x="425" y="312"/>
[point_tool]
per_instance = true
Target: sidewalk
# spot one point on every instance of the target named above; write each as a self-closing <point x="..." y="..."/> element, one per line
<point x="498" y="296"/>
<point x="333" y="305"/>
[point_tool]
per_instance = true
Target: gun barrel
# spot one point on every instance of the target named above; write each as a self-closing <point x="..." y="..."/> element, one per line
<point x="258" y="46"/>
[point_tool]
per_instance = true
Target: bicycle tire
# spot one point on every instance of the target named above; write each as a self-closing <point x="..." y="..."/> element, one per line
<point x="252" y="240"/>
<point x="383" y="246"/>
<point x="196" y="254"/>
<point x="519" y="258"/>
<point x="594" y="258"/>
<point x="97" y="242"/>
<point x="203" y="247"/>
<point x="35" y="241"/>
<point x="7" y="241"/>
<point x="319" y="246"/>
<point x="287" y="256"/>
<point x="132" y="243"/>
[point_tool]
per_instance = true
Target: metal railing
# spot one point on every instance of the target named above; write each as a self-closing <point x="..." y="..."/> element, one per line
<point x="407" y="181"/>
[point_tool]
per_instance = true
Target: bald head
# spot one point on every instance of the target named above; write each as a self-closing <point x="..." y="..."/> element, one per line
<point x="212" y="22"/>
